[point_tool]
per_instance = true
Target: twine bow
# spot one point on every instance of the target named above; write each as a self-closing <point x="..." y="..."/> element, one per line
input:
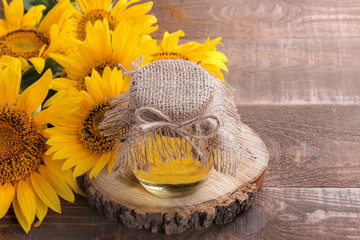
<point x="181" y="128"/>
<point x="134" y="66"/>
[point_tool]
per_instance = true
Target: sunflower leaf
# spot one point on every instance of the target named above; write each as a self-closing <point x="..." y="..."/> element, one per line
<point x="29" y="76"/>
<point x="49" y="4"/>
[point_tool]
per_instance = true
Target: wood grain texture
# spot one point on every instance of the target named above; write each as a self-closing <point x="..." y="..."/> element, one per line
<point x="277" y="213"/>
<point x="171" y="220"/>
<point x="278" y="51"/>
<point x="299" y="213"/>
<point x="294" y="71"/>
<point x="260" y="19"/>
<point x="309" y="145"/>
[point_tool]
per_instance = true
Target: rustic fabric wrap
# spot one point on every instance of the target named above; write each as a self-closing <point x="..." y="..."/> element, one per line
<point x="176" y="98"/>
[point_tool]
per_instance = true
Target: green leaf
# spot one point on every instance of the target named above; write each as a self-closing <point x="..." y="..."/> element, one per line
<point x="29" y="76"/>
<point x="55" y="67"/>
<point x="48" y="3"/>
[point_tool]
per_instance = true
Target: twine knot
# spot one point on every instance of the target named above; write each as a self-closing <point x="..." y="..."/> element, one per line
<point x="134" y="66"/>
<point x="179" y="127"/>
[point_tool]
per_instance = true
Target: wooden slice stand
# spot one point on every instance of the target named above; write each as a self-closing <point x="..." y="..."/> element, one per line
<point x="218" y="200"/>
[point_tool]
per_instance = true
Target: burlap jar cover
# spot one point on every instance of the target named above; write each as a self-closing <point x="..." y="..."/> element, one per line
<point x="176" y="98"/>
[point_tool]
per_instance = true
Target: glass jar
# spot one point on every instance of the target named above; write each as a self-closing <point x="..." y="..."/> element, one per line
<point x="177" y="177"/>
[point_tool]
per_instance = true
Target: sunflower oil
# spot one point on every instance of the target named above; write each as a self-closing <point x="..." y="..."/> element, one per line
<point x="175" y="178"/>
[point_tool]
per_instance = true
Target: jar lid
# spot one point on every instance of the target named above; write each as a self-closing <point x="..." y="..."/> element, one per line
<point x="179" y="89"/>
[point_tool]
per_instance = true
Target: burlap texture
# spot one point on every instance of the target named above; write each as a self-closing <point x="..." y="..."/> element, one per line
<point x="176" y="98"/>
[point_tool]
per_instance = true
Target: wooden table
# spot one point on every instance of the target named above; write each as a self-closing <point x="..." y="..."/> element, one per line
<point x="296" y="68"/>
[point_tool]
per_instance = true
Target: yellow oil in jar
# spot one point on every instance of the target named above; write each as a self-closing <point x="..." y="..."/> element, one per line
<point x="175" y="178"/>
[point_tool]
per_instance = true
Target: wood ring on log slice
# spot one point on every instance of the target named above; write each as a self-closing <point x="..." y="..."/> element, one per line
<point x="218" y="201"/>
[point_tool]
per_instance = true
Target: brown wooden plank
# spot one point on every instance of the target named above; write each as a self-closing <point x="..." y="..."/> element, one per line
<point x="277" y="213"/>
<point x="294" y="71"/>
<point x="309" y="145"/>
<point x="299" y="213"/>
<point x="278" y="51"/>
<point x="79" y="221"/>
<point x="260" y="20"/>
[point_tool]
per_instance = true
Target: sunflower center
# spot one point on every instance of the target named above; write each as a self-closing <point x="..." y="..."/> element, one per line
<point x="90" y="134"/>
<point x="92" y="16"/>
<point x="21" y="145"/>
<point x="23" y="43"/>
<point x="100" y="69"/>
<point x="168" y="55"/>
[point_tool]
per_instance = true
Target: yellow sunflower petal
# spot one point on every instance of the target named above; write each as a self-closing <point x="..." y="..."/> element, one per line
<point x="67" y="175"/>
<point x="74" y="68"/>
<point x="55" y="111"/>
<point x="24" y="63"/>
<point x="63" y="139"/>
<point x="71" y="121"/>
<point x="84" y="165"/>
<point x="39" y="63"/>
<point x="170" y="41"/>
<point x="122" y="5"/>
<point x="98" y="39"/>
<point x="33" y="16"/>
<point x="111" y="162"/>
<point x="126" y="43"/>
<point x="12" y="79"/>
<point x="3" y="27"/>
<point x="5" y="60"/>
<point x="7" y="193"/>
<point x="41" y="210"/>
<point x="106" y="80"/>
<point x="59" y="84"/>
<point x="116" y="82"/>
<point x="137" y="15"/>
<point x="13" y="13"/>
<point x="94" y="86"/>
<point x="61" y="188"/>
<point x="138" y="11"/>
<point x="206" y="53"/>
<point x="83" y="5"/>
<point x="59" y="129"/>
<point x="34" y="95"/>
<point x="94" y="4"/>
<point x="20" y="216"/>
<point x="26" y="199"/>
<point x="45" y="192"/>
<point x="59" y="14"/>
<point x="2" y="89"/>
<point x="75" y="159"/>
<point x="100" y="164"/>
<point x="68" y="151"/>
<point x="60" y="40"/>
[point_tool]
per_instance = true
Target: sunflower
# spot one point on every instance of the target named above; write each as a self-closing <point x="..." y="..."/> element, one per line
<point x="76" y="138"/>
<point x="103" y="47"/>
<point x="205" y="54"/>
<point x="30" y="38"/>
<point x="29" y="179"/>
<point x="90" y="11"/>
